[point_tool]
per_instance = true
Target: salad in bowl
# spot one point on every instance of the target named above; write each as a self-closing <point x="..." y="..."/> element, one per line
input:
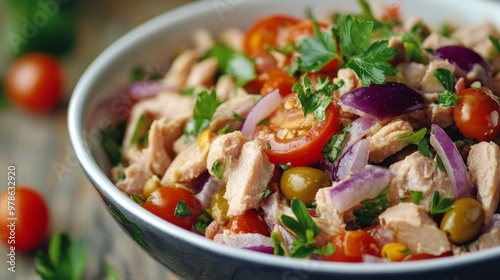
<point x="362" y="137"/>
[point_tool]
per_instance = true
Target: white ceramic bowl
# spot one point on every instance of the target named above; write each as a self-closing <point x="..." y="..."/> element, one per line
<point x="189" y="255"/>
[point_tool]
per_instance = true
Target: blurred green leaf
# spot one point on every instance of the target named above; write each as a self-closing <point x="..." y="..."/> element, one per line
<point x="3" y="99"/>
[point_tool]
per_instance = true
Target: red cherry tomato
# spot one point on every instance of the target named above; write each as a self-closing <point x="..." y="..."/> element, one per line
<point x="248" y="222"/>
<point x="30" y="227"/>
<point x="422" y="256"/>
<point x="167" y="203"/>
<point x="34" y="82"/>
<point x="352" y="245"/>
<point x="477" y="115"/>
<point x="277" y="79"/>
<point x="267" y="31"/>
<point x="288" y="136"/>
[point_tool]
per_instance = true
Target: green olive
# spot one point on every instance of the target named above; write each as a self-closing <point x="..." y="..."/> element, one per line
<point x="303" y="183"/>
<point x="464" y="220"/>
<point x="219" y="207"/>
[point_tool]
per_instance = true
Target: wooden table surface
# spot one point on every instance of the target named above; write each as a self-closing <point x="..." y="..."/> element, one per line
<point x="39" y="146"/>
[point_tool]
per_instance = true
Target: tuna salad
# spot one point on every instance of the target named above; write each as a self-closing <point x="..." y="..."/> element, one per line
<point x="356" y="138"/>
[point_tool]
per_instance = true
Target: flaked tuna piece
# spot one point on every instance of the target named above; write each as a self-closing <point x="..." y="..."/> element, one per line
<point x="383" y="142"/>
<point x="483" y="163"/>
<point x="439" y="115"/>
<point x="225" y="87"/>
<point x="233" y="38"/>
<point x="248" y="179"/>
<point x="187" y="165"/>
<point x="332" y="220"/>
<point x="225" y="151"/>
<point x="413" y="227"/>
<point x="224" y="115"/>
<point x="420" y="174"/>
<point x="178" y="73"/>
<point x="213" y="229"/>
<point x="413" y="73"/>
<point x="176" y="107"/>
<point x="203" y="73"/>
<point x="351" y="82"/>
<point x="472" y="35"/>
<point x="203" y="41"/>
<point x="136" y="175"/>
<point x="430" y="84"/>
<point x="435" y="41"/>
<point x="490" y="236"/>
<point x="254" y="241"/>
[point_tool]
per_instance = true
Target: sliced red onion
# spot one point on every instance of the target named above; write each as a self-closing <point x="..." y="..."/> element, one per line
<point x="465" y="60"/>
<point x="359" y="128"/>
<point x="452" y="160"/>
<point x="363" y="185"/>
<point x="372" y="259"/>
<point x="251" y="241"/>
<point x="382" y="102"/>
<point x="460" y="85"/>
<point x="207" y="190"/>
<point x="260" y="111"/>
<point x="352" y="161"/>
<point x="144" y="89"/>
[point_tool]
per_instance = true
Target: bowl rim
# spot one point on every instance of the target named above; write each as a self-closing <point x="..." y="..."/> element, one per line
<point x="76" y="112"/>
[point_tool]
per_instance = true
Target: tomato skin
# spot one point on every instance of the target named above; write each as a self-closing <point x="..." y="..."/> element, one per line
<point x="164" y="200"/>
<point x="267" y="31"/>
<point x="34" y="82"/>
<point x="352" y="245"/>
<point x="277" y="79"/>
<point x="303" y="150"/>
<point x="477" y="115"/>
<point x="32" y="223"/>
<point x="248" y="222"/>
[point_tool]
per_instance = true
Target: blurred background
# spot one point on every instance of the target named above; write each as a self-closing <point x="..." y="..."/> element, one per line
<point x="74" y="32"/>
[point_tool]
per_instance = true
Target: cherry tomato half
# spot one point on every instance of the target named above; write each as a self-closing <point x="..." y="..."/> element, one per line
<point x="268" y="31"/>
<point x="289" y="137"/>
<point x="169" y="204"/>
<point x="352" y="245"/>
<point x="34" y="82"/>
<point x="32" y="218"/>
<point x="477" y="115"/>
<point x="248" y="222"/>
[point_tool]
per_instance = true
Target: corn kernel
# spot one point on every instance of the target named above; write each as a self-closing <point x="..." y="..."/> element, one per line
<point x="395" y="252"/>
<point x="151" y="185"/>
<point x="205" y="138"/>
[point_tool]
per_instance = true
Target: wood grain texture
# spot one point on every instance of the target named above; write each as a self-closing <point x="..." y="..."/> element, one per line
<point x="39" y="146"/>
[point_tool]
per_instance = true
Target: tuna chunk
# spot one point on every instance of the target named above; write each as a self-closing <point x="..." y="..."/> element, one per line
<point x="435" y="41"/>
<point x="430" y="84"/>
<point x="412" y="72"/>
<point x="178" y="73"/>
<point x="225" y="151"/>
<point x="203" y="73"/>
<point x="439" y="115"/>
<point x="247" y="179"/>
<point x="383" y="143"/>
<point x="188" y="165"/>
<point x="418" y="173"/>
<point x="489" y="238"/>
<point x="136" y="175"/>
<point x="332" y="220"/>
<point x="233" y="38"/>
<point x="203" y="41"/>
<point x="224" y="115"/>
<point x="413" y="227"/>
<point x="351" y="81"/>
<point x="473" y="35"/>
<point x="484" y="172"/>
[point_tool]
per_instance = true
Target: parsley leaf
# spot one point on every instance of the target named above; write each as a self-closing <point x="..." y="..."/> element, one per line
<point x="306" y="230"/>
<point x="333" y="147"/>
<point x="264" y="121"/>
<point x="448" y="81"/>
<point x="418" y="138"/>
<point x="439" y="163"/>
<point x="315" y="101"/>
<point x="367" y="215"/>
<point x="407" y="251"/>
<point x="238" y="117"/>
<point x="111" y="141"/>
<point x="182" y="210"/>
<point x="217" y="169"/>
<point x="204" y="109"/>
<point x="138" y="199"/>
<point x="368" y="60"/>
<point x="496" y="46"/>
<point x="202" y="221"/>
<point x="223" y="130"/>
<point x="277" y="241"/>
<point x="140" y="135"/>
<point x="285" y="167"/>
<point x="440" y="205"/>
<point x="111" y="273"/>
<point x="412" y="42"/>
<point x="234" y="63"/>
<point x="416" y="197"/>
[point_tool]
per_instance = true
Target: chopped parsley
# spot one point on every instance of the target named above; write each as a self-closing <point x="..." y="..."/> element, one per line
<point x="111" y="141"/>
<point x="223" y="130"/>
<point x="406" y="251"/>
<point x="367" y="215"/>
<point x="233" y="63"/>
<point x="266" y="192"/>
<point x="140" y="73"/>
<point x="418" y="138"/>
<point x="238" y="117"/>
<point x="279" y="248"/>
<point x="448" y="81"/>
<point x="496" y="46"/>
<point x="315" y="101"/>
<point x="217" y="169"/>
<point x="412" y="42"/>
<point x="333" y="147"/>
<point x="306" y="230"/>
<point x="264" y="121"/>
<point x="204" y="109"/>
<point x="141" y="132"/>
<point x="439" y="163"/>
<point x="138" y="199"/>
<point x="285" y="167"/>
<point x="416" y="196"/>
<point x="440" y="205"/>
<point x="202" y="221"/>
<point x="182" y="210"/>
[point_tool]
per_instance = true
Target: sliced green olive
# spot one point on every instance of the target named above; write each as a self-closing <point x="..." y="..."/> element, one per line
<point x="219" y="207"/>
<point x="464" y="220"/>
<point x="303" y="183"/>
